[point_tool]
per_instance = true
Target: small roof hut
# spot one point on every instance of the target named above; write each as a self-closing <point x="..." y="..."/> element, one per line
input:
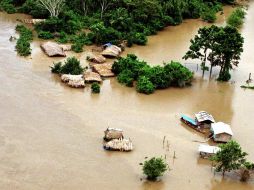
<point x="75" y="81"/>
<point x="113" y="133"/>
<point x="33" y="21"/>
<point x="221" y="132"/>
<point x="90" y="76"/>
<point x="104" y="69"/>
<point x="111" y="51"/>
<point x="204" y="119"/>
<point x="96" y="58"/>
<point x="206" y="151"/>
<point x="119" y="145"/>
<point x="53" y="49"/>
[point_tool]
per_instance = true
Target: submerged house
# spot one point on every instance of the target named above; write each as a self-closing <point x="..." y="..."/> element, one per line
<point x="221" y="132"/>
<point x="53" y="49"/>
<point x="204" y="119"/>
<point x="206" y="151"/>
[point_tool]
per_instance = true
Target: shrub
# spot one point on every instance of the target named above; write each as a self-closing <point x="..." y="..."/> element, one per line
<point x="95" y="88"/>
<point x="224" y="76"/>
<point x="155" y="167"/>
<point x="209" y="16"/>
<point x="236" y="18"/>
<point x="56" y="68"/>
<point x="45" y="35"/>
<point x="72" y="66"/>
<point x="6" y="5"/>
<point x="23" y="44"/>
<point x="63" y="38"/>
<point x="139" y="39"/>
<point x="126" y="78"/>
<point x="145" y="86"/>
<point x="180" y="74"/>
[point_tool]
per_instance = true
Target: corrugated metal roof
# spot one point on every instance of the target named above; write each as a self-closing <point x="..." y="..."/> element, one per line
<point x="221" y="127"/>
<point x="204" y="116"/>
<point x="208" y="149"/>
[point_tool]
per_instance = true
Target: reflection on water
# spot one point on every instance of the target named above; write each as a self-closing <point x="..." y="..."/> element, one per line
<point x="50" y="135"/>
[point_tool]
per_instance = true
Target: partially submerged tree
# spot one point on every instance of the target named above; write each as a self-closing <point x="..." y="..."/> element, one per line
<point x="53" y="6"/>
<point x="155" y="167"/>
<point x="222" y="46"/>
<point x="232" y="158"/>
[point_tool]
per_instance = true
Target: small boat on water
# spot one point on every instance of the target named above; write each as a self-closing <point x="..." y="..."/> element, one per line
<point x="192" y="123"/>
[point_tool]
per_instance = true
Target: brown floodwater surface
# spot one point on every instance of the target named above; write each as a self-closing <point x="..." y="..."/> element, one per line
<point x="51" y="135"/>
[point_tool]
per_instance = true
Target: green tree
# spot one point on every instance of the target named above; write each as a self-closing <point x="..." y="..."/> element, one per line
<point x="155" y="167"/>
<point x="230" y="157"/>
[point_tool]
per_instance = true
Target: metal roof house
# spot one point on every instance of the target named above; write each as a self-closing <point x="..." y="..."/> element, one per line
<point x="221" y="132"/>
<point x="204" y="118"/>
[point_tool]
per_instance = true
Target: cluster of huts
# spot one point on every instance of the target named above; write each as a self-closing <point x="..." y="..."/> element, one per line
<point x="205" y="123"/>
<point x="114" y="140"/>
<point x="98" y="65"/>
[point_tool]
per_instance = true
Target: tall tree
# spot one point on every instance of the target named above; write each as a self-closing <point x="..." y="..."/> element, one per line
<point x="53" y="6"/>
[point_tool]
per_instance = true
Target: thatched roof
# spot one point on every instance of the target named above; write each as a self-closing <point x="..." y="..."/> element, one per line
<point x="65" y="47"/>
<point x="33" y="21"/>
<point x="96" y="58"/>
<point x="92" y="77"/>
<point x="113" y="133"/>
<point x="119" y="144"/>
<point x="75" y="81"/>
<point x="111" y="51"/>
<point x="104" y="69"/>
<point x="53" y="49"/>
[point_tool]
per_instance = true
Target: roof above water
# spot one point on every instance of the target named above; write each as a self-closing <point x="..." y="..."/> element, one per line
<point x="204" y="116"/>
<point x="208" y="149"/>
<point x="220" y="127"/>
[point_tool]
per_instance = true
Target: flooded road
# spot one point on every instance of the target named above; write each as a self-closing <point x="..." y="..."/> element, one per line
<point x="51" y="135"/>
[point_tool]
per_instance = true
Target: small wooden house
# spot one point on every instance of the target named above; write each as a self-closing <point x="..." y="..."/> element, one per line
<point x="221" y="132"/>
<point x="113" y="133"/>
<point x="204" y="119"/>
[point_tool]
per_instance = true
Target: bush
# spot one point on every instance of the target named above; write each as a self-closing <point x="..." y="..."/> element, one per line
<point x="144" y="85"/>
<point x="72" y="66"/>
<point x="56" y="68"/>
<point x="139" y="39"/>
<point x="7" y="6"/>
<point x="95" y="88"/>
<point x="23" y="44"/>
<point x="224" y="76"/>
<point x="236" y="18"/>
<point x="126" y="78"/>
<point x="45" y="35"/>
<point x="33" y="8"/>
<point x="209" y="16"/>
<point x="180" y="74"/>
<point x="155" y="167"/>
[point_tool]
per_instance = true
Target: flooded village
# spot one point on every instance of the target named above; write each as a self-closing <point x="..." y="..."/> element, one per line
<point x="54" y="137"/>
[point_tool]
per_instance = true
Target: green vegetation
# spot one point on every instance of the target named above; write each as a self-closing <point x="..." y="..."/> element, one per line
<point x="110" y="20"/>
<point x="222" y="46"/>
<point x="149" y="78"/>
<point x="232" y="158"/>
<point x="71" y="66"/>
<point x="248" y="87"/>
<point x="236" y="18"/>
<point x="155" y="167"/>
<point x="95" y="88"/>
<point x="23" y="43"/>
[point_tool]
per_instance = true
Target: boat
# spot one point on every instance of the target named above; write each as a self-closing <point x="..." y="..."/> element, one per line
<point x="206" y="151"/>
<point x="192" y="123"/>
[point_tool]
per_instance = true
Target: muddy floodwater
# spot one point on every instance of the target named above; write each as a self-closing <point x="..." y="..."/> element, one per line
<point x="51" y="135"/>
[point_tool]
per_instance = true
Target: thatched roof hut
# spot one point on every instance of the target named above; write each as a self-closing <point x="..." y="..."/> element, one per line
<point x="113" y="133"/>
<point x="119" y="145"/>
<point x="96" y="58"/>
<point x="111" y="51"/>
<point x="75" y="81"/>
<point x="53" y="49"/>
<point x="92" y="77"/>
<point x="104" y="69"/>
<point x="33" y="21"/>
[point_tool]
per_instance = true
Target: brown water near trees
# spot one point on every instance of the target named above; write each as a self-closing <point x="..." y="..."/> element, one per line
<point x="51" y="135"/>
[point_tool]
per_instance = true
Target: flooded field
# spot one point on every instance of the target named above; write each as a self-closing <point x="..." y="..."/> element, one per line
<point x="51" y="135"/>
